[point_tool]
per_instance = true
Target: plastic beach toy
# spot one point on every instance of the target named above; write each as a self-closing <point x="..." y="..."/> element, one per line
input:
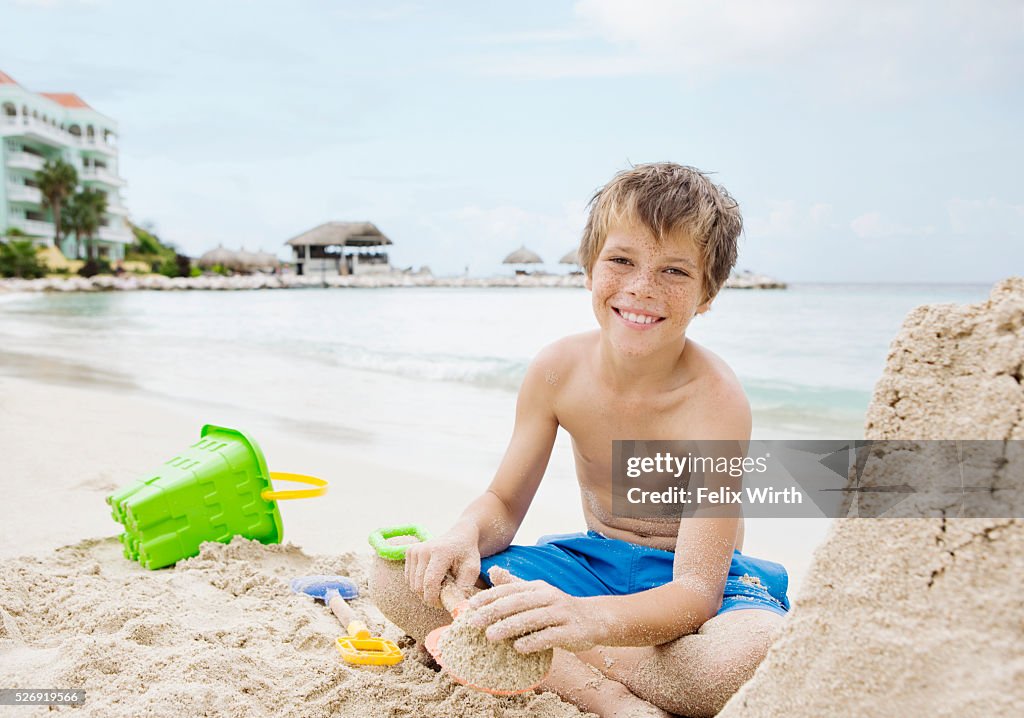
<point x="214" y="490"/>
<point x="358" y="646"/>
<point x="379" y="540"/>
<point x="318" y="586"/>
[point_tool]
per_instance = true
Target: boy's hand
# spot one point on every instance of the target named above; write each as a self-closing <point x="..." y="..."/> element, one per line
<point x="540" y="614"/>
<point x="427" y="564"/>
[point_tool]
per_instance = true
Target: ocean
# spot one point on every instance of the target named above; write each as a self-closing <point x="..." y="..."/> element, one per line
<point x="426" y="377"/>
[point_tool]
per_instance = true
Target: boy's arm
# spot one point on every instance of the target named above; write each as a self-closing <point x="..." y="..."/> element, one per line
<point x="490" y="522"/>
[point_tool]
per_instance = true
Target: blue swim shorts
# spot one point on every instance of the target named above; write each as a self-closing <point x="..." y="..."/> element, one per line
<point x="592" y="565"/>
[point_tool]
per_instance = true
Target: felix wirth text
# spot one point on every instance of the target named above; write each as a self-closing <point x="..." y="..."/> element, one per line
<point x="735" y="466"/>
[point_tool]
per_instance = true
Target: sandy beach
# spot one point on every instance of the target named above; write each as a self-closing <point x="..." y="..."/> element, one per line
<point x="221" y="634"/>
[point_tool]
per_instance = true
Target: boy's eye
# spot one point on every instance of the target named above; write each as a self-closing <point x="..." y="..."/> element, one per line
<point x="678" y="272"/>
<point x="619" y="260"/>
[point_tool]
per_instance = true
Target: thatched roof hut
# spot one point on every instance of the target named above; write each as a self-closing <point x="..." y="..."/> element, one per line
<point x="341" y="248"/>
<point x="572" y="257"/>
<point x="523" y="256"/>
<point x="347" y="234"/>
<point x="221" y="256"/>
<point x="247" y="260"/>
<point x="266" y="260"/>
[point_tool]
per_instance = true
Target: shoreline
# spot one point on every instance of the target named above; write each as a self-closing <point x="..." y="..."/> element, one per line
<point x="158" y="282"/>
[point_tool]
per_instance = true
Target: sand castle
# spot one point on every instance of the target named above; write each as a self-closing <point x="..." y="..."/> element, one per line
<point x="917" y="616"/>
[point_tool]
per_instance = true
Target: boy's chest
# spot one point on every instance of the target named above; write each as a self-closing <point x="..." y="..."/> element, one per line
<point x="594" y="419"/>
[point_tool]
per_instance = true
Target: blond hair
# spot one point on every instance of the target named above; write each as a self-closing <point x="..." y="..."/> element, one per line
<point x="667" y="199"/>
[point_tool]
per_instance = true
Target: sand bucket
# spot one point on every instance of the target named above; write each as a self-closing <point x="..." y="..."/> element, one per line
<point x="216" y="489"/>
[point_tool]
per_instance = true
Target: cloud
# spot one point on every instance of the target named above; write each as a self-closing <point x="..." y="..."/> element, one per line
<point x="482" y="236"/>
<point x="870" y="47"/>
<point x="49" y="4"/>
<point x="788" y="219"/>
<point x="985" y="217"/>
<point x="874" y="225"/>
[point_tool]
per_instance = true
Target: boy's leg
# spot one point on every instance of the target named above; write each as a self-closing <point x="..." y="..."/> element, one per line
<point x="697" y="674"/>
<point x="591" y="691"/>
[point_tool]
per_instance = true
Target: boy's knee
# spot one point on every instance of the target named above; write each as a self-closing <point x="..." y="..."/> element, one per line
<point x="392" y="595"/>
<point x="727" y="658"/>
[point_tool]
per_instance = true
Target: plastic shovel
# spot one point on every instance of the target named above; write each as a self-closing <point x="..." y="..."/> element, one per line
<point x="358" y="646"/>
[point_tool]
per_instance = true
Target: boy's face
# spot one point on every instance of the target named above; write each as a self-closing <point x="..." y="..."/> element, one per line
<point x="645" y="292"/>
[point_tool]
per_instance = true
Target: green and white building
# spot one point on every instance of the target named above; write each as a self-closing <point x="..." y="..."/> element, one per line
<point x="35" y="127"/>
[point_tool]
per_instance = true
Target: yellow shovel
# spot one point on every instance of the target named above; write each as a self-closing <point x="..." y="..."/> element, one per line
<point x="359" y="646"/>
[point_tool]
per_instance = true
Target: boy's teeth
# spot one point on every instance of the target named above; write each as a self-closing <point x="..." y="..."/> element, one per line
<point x="637" y="318"/>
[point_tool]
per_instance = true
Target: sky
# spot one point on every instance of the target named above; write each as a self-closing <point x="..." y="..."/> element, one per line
<point x="865" y="141"/>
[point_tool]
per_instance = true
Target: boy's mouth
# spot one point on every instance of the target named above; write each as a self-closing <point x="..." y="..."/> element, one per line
<point x="639" y="319"/>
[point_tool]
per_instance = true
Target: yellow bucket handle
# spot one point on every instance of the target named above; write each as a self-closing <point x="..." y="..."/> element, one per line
<point x="271" y="495"/>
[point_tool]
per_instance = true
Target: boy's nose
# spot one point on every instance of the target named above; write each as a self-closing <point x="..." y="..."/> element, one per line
<point x="641" y="283"/>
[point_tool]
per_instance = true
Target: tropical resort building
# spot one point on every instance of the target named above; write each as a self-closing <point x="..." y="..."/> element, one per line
<point x="36" y="127"/>
<point x="341" y="248"/>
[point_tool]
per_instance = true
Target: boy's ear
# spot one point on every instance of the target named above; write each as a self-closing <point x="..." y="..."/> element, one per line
<point x="701" y="308"/>
<point x="589" y="283"/>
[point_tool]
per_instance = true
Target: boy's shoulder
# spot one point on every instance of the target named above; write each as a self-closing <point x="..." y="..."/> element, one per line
<point x="714" y="386"/>
<point x="569" y="351"/>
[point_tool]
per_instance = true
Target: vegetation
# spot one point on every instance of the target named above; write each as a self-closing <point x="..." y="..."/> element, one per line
<point x="179" y="265"/>
<point x="18" y="258"/>
<point x="57" y="181"/>
<point x="84" y="213"/>
<point x="148" y="248"/>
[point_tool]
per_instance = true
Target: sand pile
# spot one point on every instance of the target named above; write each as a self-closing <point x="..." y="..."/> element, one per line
<point x="917" y="616"/>
<point x="220" y="634"/>
<point x="497" y="665"/>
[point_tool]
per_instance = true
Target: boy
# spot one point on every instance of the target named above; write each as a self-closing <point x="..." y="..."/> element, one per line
<point x="668" y="612"/>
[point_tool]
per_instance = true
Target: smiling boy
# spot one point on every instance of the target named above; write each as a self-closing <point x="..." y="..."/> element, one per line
<point x="650" y="615"/>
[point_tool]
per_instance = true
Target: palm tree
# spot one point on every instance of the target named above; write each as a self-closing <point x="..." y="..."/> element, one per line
<point x="57" y="180"/>
<point x="85" y="212"/>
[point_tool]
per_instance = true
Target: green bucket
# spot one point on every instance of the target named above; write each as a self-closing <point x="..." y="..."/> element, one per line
<point x="216" y="489"/>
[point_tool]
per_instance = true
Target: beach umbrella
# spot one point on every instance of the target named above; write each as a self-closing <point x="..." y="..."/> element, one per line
<point x="572" y="257"/>
<point x="247" y="260"/>
<point x="523" y="256"/>
<point x="266" y="260"/>
<point x="220" y="255"/>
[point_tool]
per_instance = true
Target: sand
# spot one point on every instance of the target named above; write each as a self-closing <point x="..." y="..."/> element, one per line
<point x="220" y="634"/>
<point x="917" y="617"/>
<point x="496" y="665"/>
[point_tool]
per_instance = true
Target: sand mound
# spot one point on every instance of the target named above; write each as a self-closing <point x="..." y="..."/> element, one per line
<point x="467" y="654"/>
<point x="917" y="616"/>
<point x="220" y="634"/>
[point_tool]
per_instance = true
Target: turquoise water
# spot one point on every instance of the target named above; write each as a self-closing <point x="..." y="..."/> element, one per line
<point x="435" y="370"/>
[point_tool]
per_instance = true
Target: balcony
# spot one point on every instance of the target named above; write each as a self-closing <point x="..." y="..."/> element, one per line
<point x="115" y="233"/>
<point x="115" y="207"/>
<point x="98" y="174"/>
<point x="33" y="227"/>
<point x="24" y="161"/>
<point x="45" y="132"/>
<point x="23" y="193"/>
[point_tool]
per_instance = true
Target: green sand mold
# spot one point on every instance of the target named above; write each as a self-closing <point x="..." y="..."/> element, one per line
<point x="216" y="489"/>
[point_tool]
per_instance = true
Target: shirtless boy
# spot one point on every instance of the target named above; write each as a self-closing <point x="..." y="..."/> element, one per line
<point x="650" y="616"/>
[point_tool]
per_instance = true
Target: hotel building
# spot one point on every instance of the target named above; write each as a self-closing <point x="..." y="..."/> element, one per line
<point x="36" y="127"/>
